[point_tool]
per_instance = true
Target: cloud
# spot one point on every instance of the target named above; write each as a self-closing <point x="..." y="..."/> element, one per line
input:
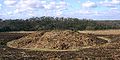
<point x="34" y="5"/>
<point x="88" y="12"/>
<point x="55" y="5"/>
<point x="9" y="13"/>
<point x="28" y="5"/>
<point x="89" y="4"/>
<point x="112" y="13"/>
<point x="31" y="13"/>
<point x="116" y="2"/>
<point x="10" y="2"/>
<point x="50" y="5"/>
<point x="21" y="10"/>
<point x="59" y="13"/>
<point x="0" y="6"/>
<point x="61" y="8"/>
<point x="112" y="3"/>
<point x="114" y="8"/>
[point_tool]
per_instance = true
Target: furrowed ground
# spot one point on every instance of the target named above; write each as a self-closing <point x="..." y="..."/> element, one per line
<point x="94" y="45"/>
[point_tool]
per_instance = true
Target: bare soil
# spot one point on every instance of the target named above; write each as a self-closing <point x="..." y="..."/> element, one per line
<point x="105" y="51"/>
<point x="103" y="32"/>
<point x="60" y="40"/>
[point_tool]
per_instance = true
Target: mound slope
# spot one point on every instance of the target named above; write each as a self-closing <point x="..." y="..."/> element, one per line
<point x="60" y="40"/>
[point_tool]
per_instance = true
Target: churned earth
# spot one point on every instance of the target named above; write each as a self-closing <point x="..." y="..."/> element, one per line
<point x="57" y="40"/>
<point x="61" y="45"/>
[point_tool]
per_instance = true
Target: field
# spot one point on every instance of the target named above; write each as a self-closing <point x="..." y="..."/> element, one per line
<point x="103" y="32"/>
<point x="106" y="48"/>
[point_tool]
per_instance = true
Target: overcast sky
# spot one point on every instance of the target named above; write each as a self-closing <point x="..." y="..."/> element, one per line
<point x="91" y="9"/>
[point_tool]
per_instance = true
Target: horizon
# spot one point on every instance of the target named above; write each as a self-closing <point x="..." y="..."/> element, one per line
<point x="65" y="17"/>
<point x="89" y="9"/>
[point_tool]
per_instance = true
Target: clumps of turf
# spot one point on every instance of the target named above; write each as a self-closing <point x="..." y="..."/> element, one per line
<point x="56" y="39"/>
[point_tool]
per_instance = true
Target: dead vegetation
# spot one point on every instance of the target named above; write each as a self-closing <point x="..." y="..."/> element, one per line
<point x="103" y="32"/>
<point x="97" y="48"/>
<point x="60" y="40"/>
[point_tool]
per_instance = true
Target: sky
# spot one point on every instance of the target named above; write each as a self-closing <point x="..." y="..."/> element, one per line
<point x="90" y="9"/>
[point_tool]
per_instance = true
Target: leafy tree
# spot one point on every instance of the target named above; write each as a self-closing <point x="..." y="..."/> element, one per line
<point x="51" y="23"/>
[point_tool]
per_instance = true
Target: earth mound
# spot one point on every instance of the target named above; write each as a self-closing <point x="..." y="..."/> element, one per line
<point x="56" y="39"/>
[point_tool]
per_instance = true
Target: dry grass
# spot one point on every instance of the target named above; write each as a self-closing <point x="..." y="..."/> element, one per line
<point x="59" y="40"/>
<point x="104" y="38"/>
<point x="103" y="32"/>
<point x="44" y="49"/>
<point x="22" y="32"/>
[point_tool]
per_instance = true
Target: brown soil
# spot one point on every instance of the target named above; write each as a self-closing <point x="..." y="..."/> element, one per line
<point x="60" y="40"/>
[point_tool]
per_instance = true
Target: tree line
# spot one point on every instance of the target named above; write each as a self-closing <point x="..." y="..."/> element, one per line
<point x="56" y="23"/>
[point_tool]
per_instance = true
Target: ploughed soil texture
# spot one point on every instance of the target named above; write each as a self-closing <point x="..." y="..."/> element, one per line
<point x="60" y="45"/>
